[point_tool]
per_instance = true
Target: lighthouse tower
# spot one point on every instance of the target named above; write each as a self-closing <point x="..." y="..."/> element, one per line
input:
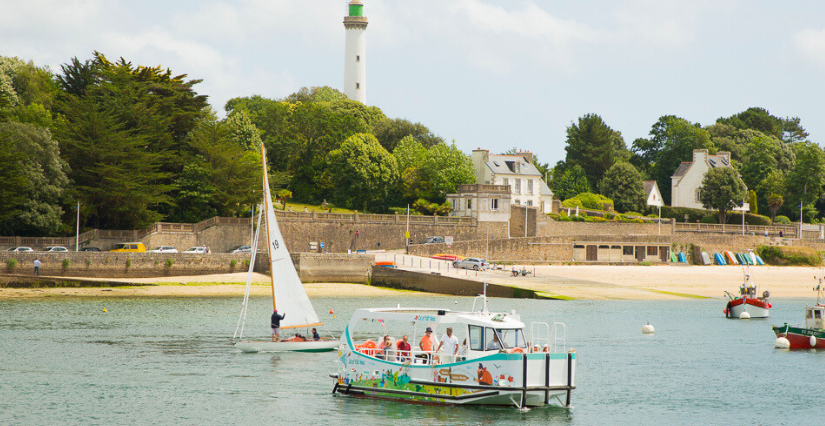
<point x="355" y="64"/>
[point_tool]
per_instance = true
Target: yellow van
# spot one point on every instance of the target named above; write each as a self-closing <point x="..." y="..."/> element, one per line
<point x="129" y="247"/>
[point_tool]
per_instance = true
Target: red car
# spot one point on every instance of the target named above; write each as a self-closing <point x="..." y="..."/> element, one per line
<point x="450" y="257"/>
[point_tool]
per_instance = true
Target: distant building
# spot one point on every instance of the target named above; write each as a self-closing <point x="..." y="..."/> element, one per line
<point x="652" y="194"/>
<point x="686" y="182"/>
<point x="355" y="59"/>
<point x="487" y="203"/>
<point x="526" y="185"/>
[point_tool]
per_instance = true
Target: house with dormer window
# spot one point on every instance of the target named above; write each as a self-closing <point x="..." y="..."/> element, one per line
<point x="527" y="188"/>
<point x="686" y="182"/>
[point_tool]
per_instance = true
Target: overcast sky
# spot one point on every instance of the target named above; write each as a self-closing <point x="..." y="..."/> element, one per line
<point x="488" y="74"/>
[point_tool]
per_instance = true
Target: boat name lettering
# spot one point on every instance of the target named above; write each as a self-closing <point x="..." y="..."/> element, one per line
<point x="355" y="361"/>
<point x="424" y="318"/>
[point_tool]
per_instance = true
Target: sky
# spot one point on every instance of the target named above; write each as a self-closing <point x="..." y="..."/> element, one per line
<point x="487" y="74"/>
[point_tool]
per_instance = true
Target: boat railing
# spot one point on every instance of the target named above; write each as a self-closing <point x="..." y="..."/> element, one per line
<point x="559" y="337"/>
<point x="413" y="356"/>
<point x="539" y="335"/>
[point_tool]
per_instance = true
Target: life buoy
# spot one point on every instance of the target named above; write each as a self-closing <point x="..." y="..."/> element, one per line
<point x="518" y="350"/>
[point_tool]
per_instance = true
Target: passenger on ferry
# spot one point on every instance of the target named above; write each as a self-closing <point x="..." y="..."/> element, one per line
<point x="387" y="349"/>
<point x="450" y="345"/>
<point x="315" y="335"/>
<point x="404" y="348"/>
<point x="426" y="345"/>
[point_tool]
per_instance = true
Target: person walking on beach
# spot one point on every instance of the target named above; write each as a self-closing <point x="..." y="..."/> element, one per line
<point x="275" y="322"/>
<point x="37" y="266"/>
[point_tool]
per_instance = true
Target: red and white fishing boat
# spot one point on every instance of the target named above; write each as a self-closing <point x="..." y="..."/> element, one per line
<point x="747" y="304"/>
<point x="812" y="335"/>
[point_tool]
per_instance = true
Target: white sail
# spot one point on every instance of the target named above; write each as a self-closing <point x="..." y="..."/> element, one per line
<point x="288" y="294"/>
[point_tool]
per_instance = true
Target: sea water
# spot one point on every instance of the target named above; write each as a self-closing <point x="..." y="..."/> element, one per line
<point x="146" y="361"/>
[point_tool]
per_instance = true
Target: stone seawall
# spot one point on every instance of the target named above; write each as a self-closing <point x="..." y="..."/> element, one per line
<point x="311" y="267"/>
<point x="433" y="283"/>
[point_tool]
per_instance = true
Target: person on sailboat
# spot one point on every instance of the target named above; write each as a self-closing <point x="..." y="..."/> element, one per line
<point x="315" y="335"/>
<point x="275" y="322"/>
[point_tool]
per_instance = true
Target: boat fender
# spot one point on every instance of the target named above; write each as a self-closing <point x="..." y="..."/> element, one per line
<point x="812" y="341"/>
<point x="770" y="305"/>
<point x="782" y="343"/>
<point x="744" y="315"/>
<point x="766" y="294"/>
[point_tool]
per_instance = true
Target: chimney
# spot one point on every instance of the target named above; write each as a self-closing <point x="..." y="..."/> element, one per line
<point x="528" y="156"/>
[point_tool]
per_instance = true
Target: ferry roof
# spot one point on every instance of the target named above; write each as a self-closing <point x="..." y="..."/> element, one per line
<point x="431" y="315"/>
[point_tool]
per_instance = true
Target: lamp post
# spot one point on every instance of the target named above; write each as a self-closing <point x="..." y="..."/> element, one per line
<point x="801" y="202"/>
<point x="77" y="229"/>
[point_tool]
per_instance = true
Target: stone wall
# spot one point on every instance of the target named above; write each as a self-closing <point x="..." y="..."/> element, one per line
<point x="311" y="267"/>
<point x="554" y="228"/>
<point x="434" y="283"/>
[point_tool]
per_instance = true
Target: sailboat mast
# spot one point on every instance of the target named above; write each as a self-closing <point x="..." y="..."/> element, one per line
<point x="267" y="208"/>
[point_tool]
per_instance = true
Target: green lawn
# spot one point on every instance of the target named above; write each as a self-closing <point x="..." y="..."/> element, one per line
<point x="299" y="207"/>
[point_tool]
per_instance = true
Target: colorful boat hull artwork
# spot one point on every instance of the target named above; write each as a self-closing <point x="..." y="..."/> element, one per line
<point x="754" y="307"/>
<point x="497" y="379"/>
<point x="800" y="337"/>
<point x="719" y="259"/>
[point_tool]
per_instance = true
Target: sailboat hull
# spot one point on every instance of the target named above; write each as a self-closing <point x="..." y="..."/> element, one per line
<point x="287" y="346"/>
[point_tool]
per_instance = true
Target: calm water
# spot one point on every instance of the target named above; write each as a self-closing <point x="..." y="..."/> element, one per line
<point x="169" y="361"/>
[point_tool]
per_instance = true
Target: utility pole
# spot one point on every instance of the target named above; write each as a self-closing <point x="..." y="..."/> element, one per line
<point x="407" y="233"/>
<point x="77" y="234"/>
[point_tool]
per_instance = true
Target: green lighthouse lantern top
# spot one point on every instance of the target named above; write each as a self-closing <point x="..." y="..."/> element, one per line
<point x="356" y="8"/>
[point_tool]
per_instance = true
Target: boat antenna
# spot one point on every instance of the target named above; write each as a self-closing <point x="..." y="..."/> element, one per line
<point x="486" y="256"/>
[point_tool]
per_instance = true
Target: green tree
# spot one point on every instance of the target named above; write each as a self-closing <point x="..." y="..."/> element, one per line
<point x="570" y="182"/>
<point x="391" y="131"/>
<point x="593" y="146"/>
<point x="722" y="190"/>
<point x="242" y="131"/>
<point x="364" y="173"/>
<point x="754" y="205"/>
<point x="445" y="168"/>
<point x="804" y="183"/>
<point x="623" y="184"/>
<point x="775" y="201"/>
<point x="44" y="172"/>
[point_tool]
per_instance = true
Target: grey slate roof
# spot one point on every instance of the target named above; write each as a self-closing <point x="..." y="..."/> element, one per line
<point x="499" y="165"/>
<point x="545" y="190"/>
<point x="649" y="185"/>
<point x="682" y="169"/>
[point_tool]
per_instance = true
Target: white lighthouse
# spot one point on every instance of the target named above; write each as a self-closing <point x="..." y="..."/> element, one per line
<point x="355" y="64"/>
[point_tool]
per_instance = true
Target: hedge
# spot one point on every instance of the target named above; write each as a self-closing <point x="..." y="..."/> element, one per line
<point x="789" y="256"/>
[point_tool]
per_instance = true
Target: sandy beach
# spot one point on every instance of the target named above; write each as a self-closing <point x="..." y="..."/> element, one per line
<point x="589" y="282"/>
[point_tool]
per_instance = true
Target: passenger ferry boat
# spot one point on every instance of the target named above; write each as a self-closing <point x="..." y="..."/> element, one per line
<point x="812" y="335"/>
<point x="496" y="364"/>
<point x="748" y="302"/>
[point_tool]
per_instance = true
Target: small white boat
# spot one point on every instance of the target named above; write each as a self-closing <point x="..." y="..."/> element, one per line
<point x="495" y="364"/>
<point x="287" y="290"/>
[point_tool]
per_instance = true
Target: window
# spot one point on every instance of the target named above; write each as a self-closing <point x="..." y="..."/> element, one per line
<point x="512" y="338"/>
<point x="505" y="181"/>
<point x="491" y="342"/>
<point x="530" y="187"/>
<point x="652" y="250"/>
<point x="530" y="203"/>
<point x="698" y="194"/>
<point x="627" y="250"/>
<point x="518" y="186"/>
<point x="469" y="204"/>
<point x="517" y="202"/>
<point x="455" y="207"/>
<point x="476" y="338"/>
<point x="357" y="58"/>
<point x="494" y="204"/>
<point x="357" y="85"/>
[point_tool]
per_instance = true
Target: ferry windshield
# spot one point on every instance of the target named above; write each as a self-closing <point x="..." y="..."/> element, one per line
<point x="512" y="338"/>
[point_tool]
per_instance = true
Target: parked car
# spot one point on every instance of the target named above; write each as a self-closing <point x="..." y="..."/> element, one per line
<point x="60" y="249"/>
<point x="434" y="240"/>
<point x="21" y="249"/>
<point x="471" y="263"/>
<point x="240" y="249"/>
<point x="163" y="249"/>
<point x="200" y="250"/>
<point x="129" y="247"/>
<point x="90" y="249"/>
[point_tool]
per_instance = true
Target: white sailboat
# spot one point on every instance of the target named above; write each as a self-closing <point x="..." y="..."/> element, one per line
<point x="287" y="290"/>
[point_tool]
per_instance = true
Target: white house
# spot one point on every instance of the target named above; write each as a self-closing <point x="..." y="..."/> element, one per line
<point x="652" y="194"/>
<point x="686" y="182"/>
<point x="517" y="172"/>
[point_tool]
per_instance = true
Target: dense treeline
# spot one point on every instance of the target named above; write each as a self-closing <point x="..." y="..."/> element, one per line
<point x="770" y="155"/>
<point x="136" y="144"/>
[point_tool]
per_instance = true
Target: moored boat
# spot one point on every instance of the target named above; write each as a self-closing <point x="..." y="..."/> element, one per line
<point x="812" y="334"/>
<point x="494" y="363"/>
<point x="747" y="304"/>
